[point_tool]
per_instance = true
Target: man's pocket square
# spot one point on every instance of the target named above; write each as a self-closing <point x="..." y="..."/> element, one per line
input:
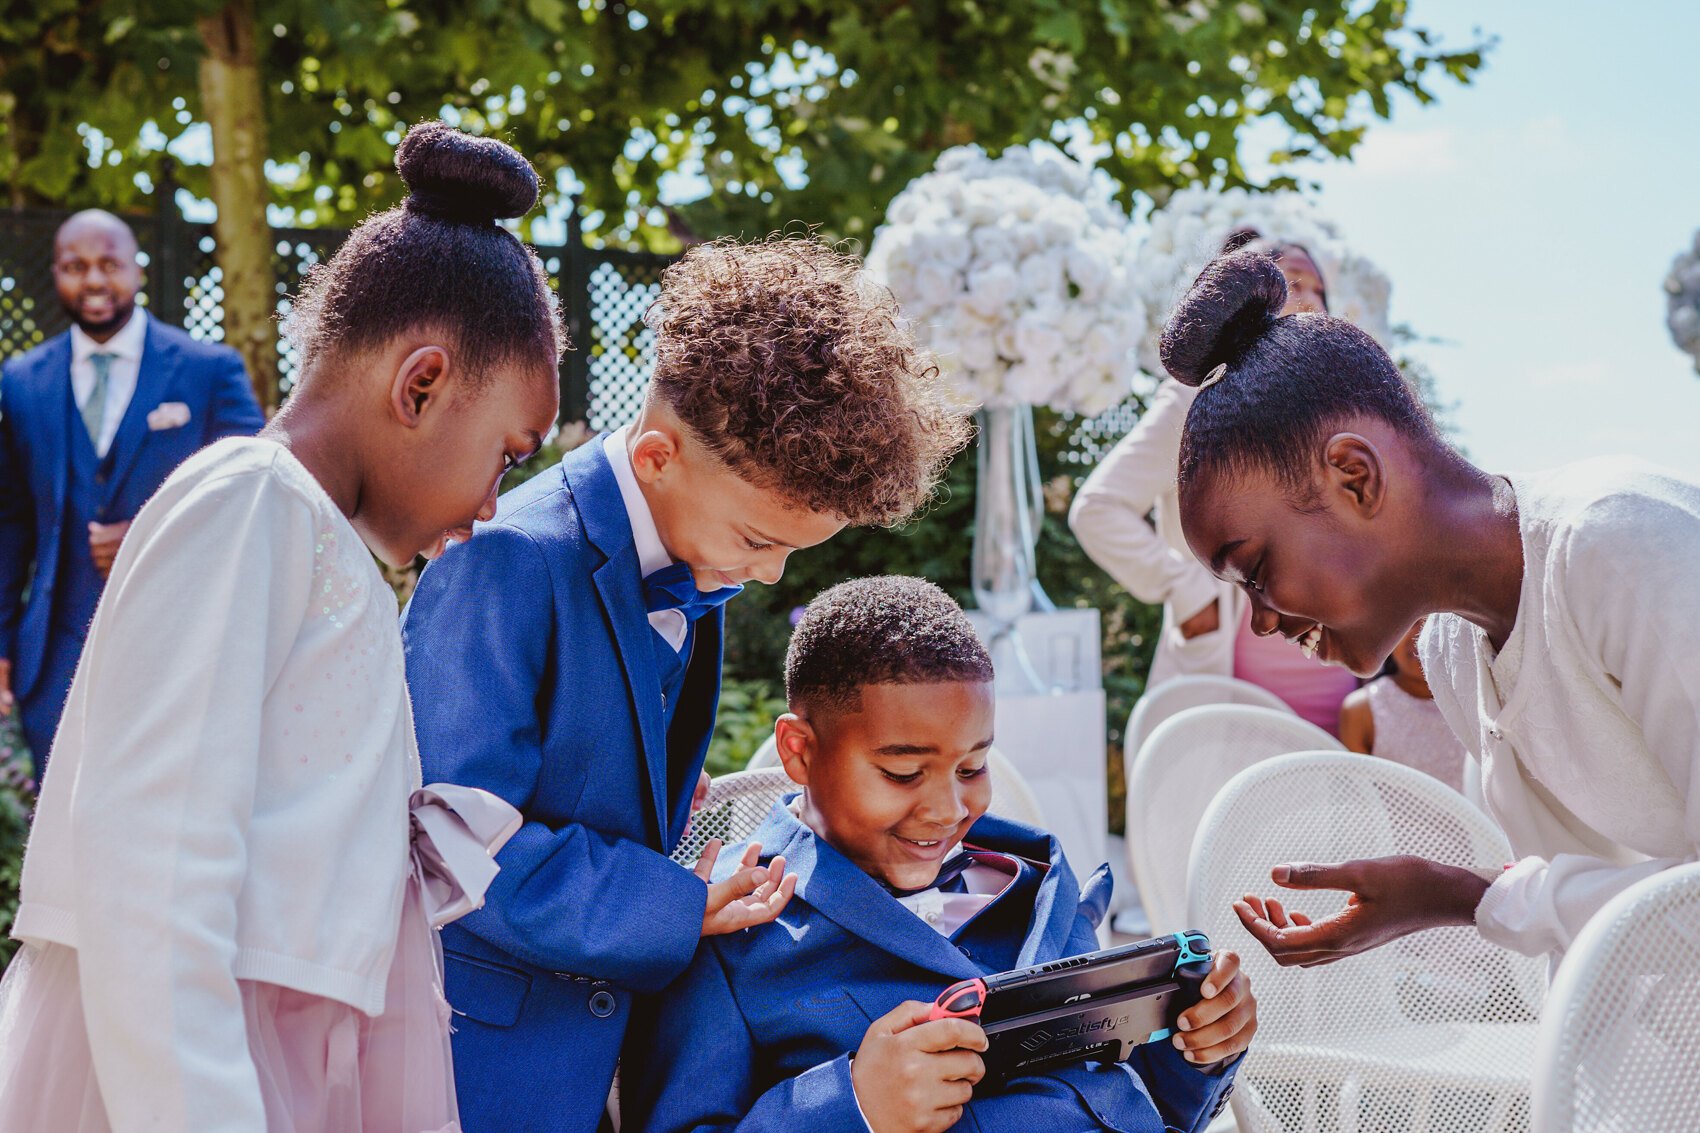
<point x="168" y="415"/>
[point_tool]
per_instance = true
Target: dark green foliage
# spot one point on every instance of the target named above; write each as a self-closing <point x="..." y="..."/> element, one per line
<point x="819" y="110"/>
<point x="17" y="796"/>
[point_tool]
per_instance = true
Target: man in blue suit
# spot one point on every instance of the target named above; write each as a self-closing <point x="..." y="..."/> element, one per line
<point x="819" y="1021"/>
<point x="92" y="421"/>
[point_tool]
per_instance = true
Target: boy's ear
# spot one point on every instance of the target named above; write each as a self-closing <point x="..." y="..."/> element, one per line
<point x="795" y="739"/>
<point x="656" y="449"/>
<point x="1353" y="467"/>
<point x="419" y="383"/>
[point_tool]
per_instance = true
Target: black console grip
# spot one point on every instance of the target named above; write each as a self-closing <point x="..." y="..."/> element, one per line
<point x="1190" y="977"/>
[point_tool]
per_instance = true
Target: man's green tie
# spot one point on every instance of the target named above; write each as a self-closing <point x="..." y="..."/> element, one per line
<point x="94" y="408"/>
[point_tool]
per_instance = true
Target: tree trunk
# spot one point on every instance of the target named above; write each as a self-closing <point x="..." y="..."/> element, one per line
<point x="233" y="104"/>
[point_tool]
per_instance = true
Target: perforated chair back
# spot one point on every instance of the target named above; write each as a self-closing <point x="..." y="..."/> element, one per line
<point x="1620" y="1045"/>
<point x="1175" y="775"/>
<point x="736" y="806"/>
<point x="1434" y="1033"/>
<point x="1177" y="694"/>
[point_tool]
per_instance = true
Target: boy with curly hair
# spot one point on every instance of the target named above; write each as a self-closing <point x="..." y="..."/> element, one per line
<point x="568" y="659"/>
<point x="905" y="885"/>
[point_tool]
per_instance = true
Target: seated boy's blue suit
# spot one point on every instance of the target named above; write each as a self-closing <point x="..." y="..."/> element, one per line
<point x="758" y="1034"/>
<point x="535" y="674"/>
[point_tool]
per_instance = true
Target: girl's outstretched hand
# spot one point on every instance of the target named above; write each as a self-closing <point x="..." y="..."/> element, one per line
<point x="754" y="895"/>
<point x="1386" y="898"/>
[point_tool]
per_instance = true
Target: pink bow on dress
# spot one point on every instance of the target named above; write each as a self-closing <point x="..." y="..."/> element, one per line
<point x="456" y="834"/>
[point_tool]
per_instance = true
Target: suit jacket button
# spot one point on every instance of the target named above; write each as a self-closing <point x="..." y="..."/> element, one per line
<point x="602" y="1004"/>
<point x="100" y="478"/>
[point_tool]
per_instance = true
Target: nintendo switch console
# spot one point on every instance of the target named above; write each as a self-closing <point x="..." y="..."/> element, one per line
<point x="1096" y="1007"/>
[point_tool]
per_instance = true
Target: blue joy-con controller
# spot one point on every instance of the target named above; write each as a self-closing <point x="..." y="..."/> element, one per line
<point x="1192" y="965"/>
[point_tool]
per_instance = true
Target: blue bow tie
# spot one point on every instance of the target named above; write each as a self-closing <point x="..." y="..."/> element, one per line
<point x="674" y="588"/>
<point x="949" y="879"/>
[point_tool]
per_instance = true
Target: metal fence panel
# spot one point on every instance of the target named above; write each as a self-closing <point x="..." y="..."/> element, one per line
<point x="604" y="294"/>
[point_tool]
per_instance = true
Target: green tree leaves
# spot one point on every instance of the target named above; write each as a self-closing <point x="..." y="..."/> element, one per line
<point x="763" y="111"/>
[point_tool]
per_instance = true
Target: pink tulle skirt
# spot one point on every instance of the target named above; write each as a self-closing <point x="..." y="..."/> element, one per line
<point x="324" y="1067"/>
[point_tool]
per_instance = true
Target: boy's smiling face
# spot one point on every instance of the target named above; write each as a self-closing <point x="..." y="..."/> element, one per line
<point x="896" y="783"/>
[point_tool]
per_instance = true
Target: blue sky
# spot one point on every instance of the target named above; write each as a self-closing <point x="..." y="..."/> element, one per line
<point x="1530" y="219"/>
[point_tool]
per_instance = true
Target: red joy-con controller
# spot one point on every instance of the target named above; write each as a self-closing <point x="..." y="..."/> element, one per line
<point x="960" y="1001"/>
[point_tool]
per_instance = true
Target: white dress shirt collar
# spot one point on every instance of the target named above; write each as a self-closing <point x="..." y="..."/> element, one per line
<point x="652" y="556"/>
<point x="126" y="344"/>
<point x="948" y="912"/>
<point x="122" y="373"/>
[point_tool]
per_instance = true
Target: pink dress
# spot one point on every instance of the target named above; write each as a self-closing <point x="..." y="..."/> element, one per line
<point x="323" y="1066"/>
<point x="1413" y="732"/>
<point x="1311" y="689"/>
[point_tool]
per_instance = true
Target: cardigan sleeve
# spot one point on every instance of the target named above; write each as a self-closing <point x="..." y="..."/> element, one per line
<point x="202" y="611"/>
<point x="1108" y="514"/>
<point x="1627" y="568"/>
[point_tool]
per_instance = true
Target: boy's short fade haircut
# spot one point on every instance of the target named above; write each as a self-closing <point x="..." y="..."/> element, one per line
<point x="799" y="373"/>
<point x="886" y="630"/>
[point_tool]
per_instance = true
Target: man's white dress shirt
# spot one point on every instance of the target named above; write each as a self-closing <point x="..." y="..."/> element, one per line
<point x="126" y="349"/>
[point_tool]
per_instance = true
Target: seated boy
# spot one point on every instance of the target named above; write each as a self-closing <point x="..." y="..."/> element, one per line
<point x="818" y="1021"/>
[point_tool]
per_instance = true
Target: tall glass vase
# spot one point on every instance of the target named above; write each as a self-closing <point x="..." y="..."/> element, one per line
<point x="1005" y="539"/>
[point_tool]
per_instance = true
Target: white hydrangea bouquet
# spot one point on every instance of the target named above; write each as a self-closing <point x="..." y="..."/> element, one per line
<point x="1016" y="272"/>
<point x="1682" y="288"/>
<point x="1188" y="231"/>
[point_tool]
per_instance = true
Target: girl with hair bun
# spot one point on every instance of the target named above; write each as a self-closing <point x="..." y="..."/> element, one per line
<point x="230" y="889"/>
<point x="1560" y="613"/>
<point x="1206" y="624"/>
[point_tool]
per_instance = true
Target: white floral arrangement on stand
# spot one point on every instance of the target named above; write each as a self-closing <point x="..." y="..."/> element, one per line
<point x="1188" y="231"/>
<point x="1682" y="288"/>
<point x="1016" y="271"/>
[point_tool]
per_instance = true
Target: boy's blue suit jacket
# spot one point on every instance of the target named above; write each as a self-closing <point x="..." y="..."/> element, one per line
<point x="37" y="414"/>
<point x="531" y="663"/>
<point x="757" y="1035"/>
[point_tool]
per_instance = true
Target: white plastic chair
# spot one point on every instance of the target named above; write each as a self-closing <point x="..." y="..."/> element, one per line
<point x="767" y="755"/>
<point x="1619" y="1049"/>
<point x="1177" y="694"/>
<point x="1173" y="777"/>
<point x="736" y="806"/>
<point x="1434" y="1033"/>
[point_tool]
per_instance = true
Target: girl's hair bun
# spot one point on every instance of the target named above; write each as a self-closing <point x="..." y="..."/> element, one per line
<point x="455" y="176"/>
<point x="1239" y="238"/>
<point x="1228" y="307"/>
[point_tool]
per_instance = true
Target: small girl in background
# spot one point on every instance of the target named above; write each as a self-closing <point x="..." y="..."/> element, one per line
<point x="1395" y="717"/>
<point x="227" y="906"/>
